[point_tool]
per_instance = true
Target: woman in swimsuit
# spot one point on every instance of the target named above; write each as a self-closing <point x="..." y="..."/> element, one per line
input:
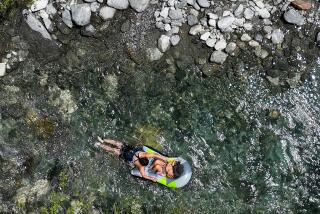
<point x="169" y="169"/>
<point x="134" y="156"/>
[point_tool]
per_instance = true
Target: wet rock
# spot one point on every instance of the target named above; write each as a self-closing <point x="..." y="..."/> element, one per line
<point x="224" y="24"/>
<point x="89" y="30"/>
<point x="47" y="22"/>
<point x="39" y="5"/>
<point x="192" y="20"/>
<point x="175" y="14"/>
<point x="107" y="12"/>
<point x="274" y="114"/>
<point x="63" y="28"/>
<point x="175" y="39"/>
<point x="118" y="4"/>
<point x="261" y="52"/>
<point x="154" y="54"/>
<point x="203" y="3"/>
<point x="164" y="43"/>
<point x="139" y="5"/>
<point x="63" y="100"/>
<point x="245" y="37"/>
<point x="125" y="26"/>
<point x="210" y="69"/>
<point x="194" y="30"/>
<point x="220" y="45"/>
<point x="277" y="36"/>
<point x="94" y="6"/>
<point x="66" y="18"/>
<point x="35" y="24"/>
<point x="2" y="69"/>
<point x="275" y="81"/>
<point x="218" y="57"/>
<point x="231" y="47"/>
<point x="294" y="17"/>
<point x="50" y="9"/>
<point x="81" y="14"/>
<point x="301" y="5"/>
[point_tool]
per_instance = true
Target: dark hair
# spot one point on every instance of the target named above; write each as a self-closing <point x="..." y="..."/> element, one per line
<point x="143" y="161"/>
<point x="177" y="170"/>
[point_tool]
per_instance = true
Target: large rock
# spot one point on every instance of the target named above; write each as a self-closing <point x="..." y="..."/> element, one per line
<point x="2" y="69"/>
<point x="107" y="12"/>
<point x="139" y="5"/>
<point x="294" y="17"/>
<point x="66" y="18"/>
<point x="118" y="4"/>
<point x="277" y="36"/>
<point x="35" y="24"/>
<point x="175" y="14"/>
<point x="225" y="23"/>
<point x="164" y="43"/>
<point x="218" y="57"/>
<point x="81" y="14"/>
<point x="203" y="3"/>
<point x="39" y="5"/>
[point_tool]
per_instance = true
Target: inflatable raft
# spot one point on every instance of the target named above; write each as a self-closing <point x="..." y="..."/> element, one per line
<point x="172" y="183"/>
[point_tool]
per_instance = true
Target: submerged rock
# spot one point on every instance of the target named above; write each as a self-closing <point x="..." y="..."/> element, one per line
<point x="118" y="4"/>
<point x="35" y="24"/>
<point x="277" y="36"/>
<point x="154" y="54"/>
<point x="218" y="57"/>
<point x="139" y="5"/>
<point x="294" y="17"/>
<point x="81" y="14"/>
<point x="164" y="43"/>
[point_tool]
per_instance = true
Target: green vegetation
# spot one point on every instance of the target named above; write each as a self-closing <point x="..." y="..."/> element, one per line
<point x="5" y="5"/>
<point x="147" y="135"/>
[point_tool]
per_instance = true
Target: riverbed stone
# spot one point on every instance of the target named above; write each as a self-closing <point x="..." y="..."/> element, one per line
<point x="35" y="24"/>
<point x="218" y="57"/>
<point x="245" y="37"/>
<point x="277" y="36"/>
<point x="107" y="12"/>
<point x="175" y="14"/>
<point x="81" y="14"/>
<point x="293" y="16"/>
<point x="66" y="18"/>
<point x="164" y="43"/>
<point x="154" y="54"/>
<point x="203" y="3"/>
<point x="118" y="4"/>
<point x="192" y="20"/>
<point x="50" y="9"/>
<point x="221" y="44"/>
<point x="238" y="12"/>
<point x="39" y="5"/>
<point x="175" y="39"/>
<point x="94" y="6"/>
<point x="231" y="47"/>
<point x="248" y="13"/>
<point x="194" y="30"/>
<point x="225" y="23"/>
<point x="264" y="13"/>
<point x="2" y="69"/>
<point x="139" y="5"/>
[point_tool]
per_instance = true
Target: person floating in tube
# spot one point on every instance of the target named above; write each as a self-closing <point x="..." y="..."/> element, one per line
<point x="136" y="157"/>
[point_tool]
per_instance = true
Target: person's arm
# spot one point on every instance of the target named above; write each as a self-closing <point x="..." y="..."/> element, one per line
<point x="143" y="173"/>
<point x="147" y="155"/>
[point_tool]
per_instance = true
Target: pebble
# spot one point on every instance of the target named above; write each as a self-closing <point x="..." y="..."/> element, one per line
<point x="261" y="52"/>
<point x="164" y="43"/>
<point x="231" y="47"/>
<point x="194" y="30"/>
<point x="35" y="24"/>
<point x="211" y="42"/>
<point x="277" y="36"/>
<point x="267" y="29"/>
<point x="154" y="54"/>
<point x="248" y="13"/>
<point x="225" y="23"/>
<point x="213" y="16"/>
<point x="212" y="22"/>
<point x="253" y="43"/>
<point x="175" y="39"/>
<point x="175" y="14"/>
<point x="66" y="18"/>
<point x="81" y="14"/>
<point x="192" y="20"/>
<point x="239" y="10"/>
<point x="39" y="5"/>
<point x="167" y="27"/>
<point x="139" y="5"/>
<point x="247" y="26"/>
<point x="220" y="45"/>
<point x="94" y="6"/>
<point x="294" y="17"/>
<point x="203" y="3"/>
<point x="264" y="13"/>
<point x="218" y="57"/>
<point x="205" y="36"/>
<point x="107" y="12"/>
<point x="118" y="4"/>
<point x="164" y="12"/>
<point x="245" y="37"/>
<point x="2" y="69"/>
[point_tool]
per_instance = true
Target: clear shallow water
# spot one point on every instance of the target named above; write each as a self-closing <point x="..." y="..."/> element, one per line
<point x="243" y="160"/>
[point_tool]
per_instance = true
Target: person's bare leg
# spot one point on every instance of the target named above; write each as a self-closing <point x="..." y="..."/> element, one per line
<point x="112" y="142"/>
<point x="109" y="149"/>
